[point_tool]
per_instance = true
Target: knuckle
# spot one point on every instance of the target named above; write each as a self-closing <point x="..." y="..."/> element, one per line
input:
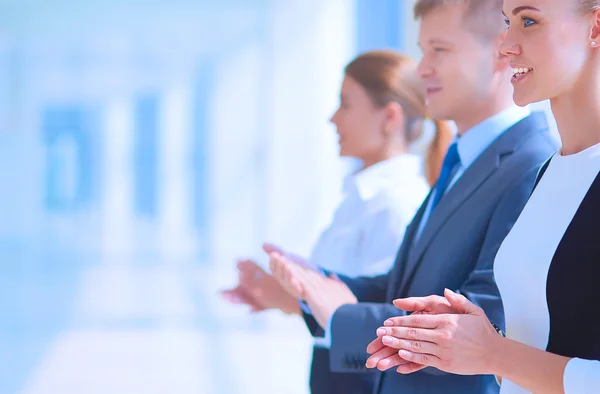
<point x="446" y="363"/>
<point x="449" y="324"/>
<point x="412" y="333"/>
<point x="443" y="322"/>
<point x="417" y="320"/>
<point x="415" y="345"/>
<point x="452" y="323"/>
<point x="445" y="336"/>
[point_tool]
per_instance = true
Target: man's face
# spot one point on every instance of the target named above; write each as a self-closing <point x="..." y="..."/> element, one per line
<point x="457" y="67"/>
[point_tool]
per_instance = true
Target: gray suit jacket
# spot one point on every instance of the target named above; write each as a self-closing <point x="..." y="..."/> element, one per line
<point x="456" y="250"/>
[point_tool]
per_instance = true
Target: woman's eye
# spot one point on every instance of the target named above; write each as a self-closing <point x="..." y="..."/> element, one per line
<point x="527" y="21"/>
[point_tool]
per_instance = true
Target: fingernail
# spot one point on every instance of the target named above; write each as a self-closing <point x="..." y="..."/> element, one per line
<point x="404" y="354"/>
<point x="388" y="323"/>
<point x="387" y="340"/>
<point x="381" y="331"/>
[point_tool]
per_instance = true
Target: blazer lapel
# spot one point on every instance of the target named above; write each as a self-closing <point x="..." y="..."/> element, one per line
<point x="403" y="252"/>
<point x="468" y="183"/>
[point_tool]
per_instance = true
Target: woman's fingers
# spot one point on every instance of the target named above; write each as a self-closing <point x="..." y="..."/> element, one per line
<point x="414" y="346"/>
<point x="380" y="355"/>
<point x="425" y="360"/>
<point x="409" y="367"/>
<point x="375" y="345"/>
<point x="419" y="321"/>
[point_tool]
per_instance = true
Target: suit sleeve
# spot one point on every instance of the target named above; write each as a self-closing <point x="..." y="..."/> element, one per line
<point x="368" y="289"/>
<point x="364" y="288"/>
<point x="354" y="326"/>
<point x="377" y="252"/>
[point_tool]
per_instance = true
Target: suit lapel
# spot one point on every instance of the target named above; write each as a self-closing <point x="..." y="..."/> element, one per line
<point x="469" y="182"/>
<point x="402" y="257"/>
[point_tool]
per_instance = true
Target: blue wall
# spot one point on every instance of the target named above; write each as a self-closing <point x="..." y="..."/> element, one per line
<point x="67" y="135"/>
<point x="146" y="155"/>
<point x="379" y="25"/>
<point x="203" y="92"/>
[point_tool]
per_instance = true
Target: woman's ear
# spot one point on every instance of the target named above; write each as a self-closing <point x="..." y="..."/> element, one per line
<point x="394" y="117"/>
<point x="595" y="30"/>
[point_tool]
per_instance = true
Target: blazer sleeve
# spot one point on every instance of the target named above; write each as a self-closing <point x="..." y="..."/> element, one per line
<point x="368" y="289"/>
<point x="365" y="289"/>
<point x="353" y="327"/>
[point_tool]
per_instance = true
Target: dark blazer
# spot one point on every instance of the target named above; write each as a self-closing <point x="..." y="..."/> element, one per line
<point x="572" y="282"/>
<point x="456" y="250"/>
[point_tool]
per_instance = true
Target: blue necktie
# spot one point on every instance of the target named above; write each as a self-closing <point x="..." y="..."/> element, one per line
<point x="450" y="162"/>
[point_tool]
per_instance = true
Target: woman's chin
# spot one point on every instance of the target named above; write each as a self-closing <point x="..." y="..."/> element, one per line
<point x="521" y="100"/>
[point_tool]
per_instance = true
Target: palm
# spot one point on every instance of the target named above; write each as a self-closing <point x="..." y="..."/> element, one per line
<point x="259" y="290"/>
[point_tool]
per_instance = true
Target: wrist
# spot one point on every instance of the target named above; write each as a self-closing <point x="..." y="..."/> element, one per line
<point x="328" y="313"/>
<point x="292" y="308"/>
<point x="496" y="349"/>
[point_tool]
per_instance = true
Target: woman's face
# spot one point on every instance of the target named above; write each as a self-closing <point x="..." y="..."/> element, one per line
<point x="359" y="123"/>
<point x="548" y="43"/>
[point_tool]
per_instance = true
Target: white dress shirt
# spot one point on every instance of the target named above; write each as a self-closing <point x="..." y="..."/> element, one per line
<point x="367" y="228"/>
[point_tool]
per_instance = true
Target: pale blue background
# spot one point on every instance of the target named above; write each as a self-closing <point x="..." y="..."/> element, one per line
<point x="144" y="145"/>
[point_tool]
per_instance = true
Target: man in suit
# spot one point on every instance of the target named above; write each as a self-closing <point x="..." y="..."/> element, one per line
<point x="486" y="179"/>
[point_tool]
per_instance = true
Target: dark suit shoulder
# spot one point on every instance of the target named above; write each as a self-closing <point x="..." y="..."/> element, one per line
<point x="532" y="145"/>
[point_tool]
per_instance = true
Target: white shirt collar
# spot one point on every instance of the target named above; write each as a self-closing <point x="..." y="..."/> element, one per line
<point x="477" y="139"/>
<point x="369" y="181"/>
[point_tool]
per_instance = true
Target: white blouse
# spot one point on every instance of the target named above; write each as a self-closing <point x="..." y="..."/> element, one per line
<point x="367" y="228"/>
<point x="530" y="265"/>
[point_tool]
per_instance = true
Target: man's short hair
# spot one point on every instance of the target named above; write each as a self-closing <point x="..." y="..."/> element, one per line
<point x="483" y="16"/>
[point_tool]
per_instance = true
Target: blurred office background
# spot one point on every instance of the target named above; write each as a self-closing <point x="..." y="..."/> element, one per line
<point x="144" y="146"/>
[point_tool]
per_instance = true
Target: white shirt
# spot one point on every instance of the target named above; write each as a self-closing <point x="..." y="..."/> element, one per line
<point x="367" y="228"/>
<point x="523" y="262"/>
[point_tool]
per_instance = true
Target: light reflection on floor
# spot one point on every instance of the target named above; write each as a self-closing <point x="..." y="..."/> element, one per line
<point x="72" y="325"/>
